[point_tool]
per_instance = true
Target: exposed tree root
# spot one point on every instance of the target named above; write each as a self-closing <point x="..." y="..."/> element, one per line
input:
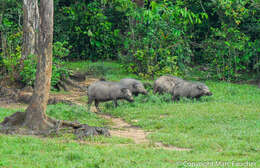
<point x="15" y="124"/>
<point x="66" y="83"/>
<point x="16" y="119"/>
<point x="80" y="77"/>
<point x="56" y="101"/>
<point x="62" y="86"/>
<point x="69" y="82"/>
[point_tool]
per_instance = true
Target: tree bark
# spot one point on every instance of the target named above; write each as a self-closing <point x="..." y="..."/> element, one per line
<point x="36" y="118"/>
<point x="30" y="28"/>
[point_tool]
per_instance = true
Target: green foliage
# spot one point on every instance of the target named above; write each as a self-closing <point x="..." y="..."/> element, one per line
<point x="86" y="27"/>
<point x="10" y="37"/>
<point x="28" y="72"/>
<point x="10" y="61"/>
<point x="58" y="71"/>
<point x="156" y="44"/>
<point x="228" y="49"/>
<point x="60" y="51"/>
<point x="163" y="37"/>
<point x="228" y="52"/>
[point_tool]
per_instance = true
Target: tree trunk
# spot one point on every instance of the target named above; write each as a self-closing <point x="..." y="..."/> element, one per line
<point x="36" y="118"/>
<point x="30" y="28"/>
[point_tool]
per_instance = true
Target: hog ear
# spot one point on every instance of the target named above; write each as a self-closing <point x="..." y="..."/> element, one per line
<point x="135" y="85"/>
<point x="200" y="87"/>
<point x="123" y="90"/>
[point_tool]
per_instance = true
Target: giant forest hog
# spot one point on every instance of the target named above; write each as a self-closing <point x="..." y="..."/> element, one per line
<point x="190" y="90"/>
<point x="103" y="91"/>
<point x="135" y="86"/>
<point x="165" y="84"/>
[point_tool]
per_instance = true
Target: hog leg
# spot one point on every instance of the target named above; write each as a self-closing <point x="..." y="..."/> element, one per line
<point x="135" y="94"/>
<point x="89" y="103"/>
<point x="96" y="104"/>
<point x="115" y="103"/>
<point x="175" y="98"/>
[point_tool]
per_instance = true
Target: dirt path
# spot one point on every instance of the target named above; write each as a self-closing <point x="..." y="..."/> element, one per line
<point x="122" y="129"/>
<point x="119" y="127"/>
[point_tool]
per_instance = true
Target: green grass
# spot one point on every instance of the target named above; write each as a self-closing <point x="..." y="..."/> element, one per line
<point x="19" y="151"/>
<point x="224" y="128"/>
<point x="110" y="70"/>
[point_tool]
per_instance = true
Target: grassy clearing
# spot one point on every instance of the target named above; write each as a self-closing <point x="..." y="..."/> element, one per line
<point x="110" y="70"/>
<point x="18" y="151"/>
<point x="64" y="151"/>
<point x="224" y="128"/>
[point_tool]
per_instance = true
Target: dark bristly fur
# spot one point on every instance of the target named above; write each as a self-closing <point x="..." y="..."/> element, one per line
<point x="135" y="86"/>
<point x="102" y="91"/>
<point x="165" y="84"/>
<point x="190" y="90"/>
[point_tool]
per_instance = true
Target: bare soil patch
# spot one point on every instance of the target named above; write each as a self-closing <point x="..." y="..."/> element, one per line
<point x="123" y="129"/>
<point x="13" y="105"/>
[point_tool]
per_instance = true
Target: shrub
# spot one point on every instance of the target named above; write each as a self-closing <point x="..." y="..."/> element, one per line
<point x="28" y="72"/>
<point x="156" y="42"/>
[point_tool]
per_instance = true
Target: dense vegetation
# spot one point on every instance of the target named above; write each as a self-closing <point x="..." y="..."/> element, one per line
<point x="221" y="36"/>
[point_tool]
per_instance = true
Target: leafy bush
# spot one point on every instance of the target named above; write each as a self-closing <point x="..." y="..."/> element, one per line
<point x="28" y="72"/>
<point x="61" y="49"/>
<point x="10" y="36"/>
<point x="162" y="37"/>
<point x="228" y="49"/>
<point x="86" y="27"/>
<point x="156" y="45"/>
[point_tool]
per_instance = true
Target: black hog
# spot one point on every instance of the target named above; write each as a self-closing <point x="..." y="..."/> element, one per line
<point x="190" y="90"/>
<point x="135" y="86"/>
<point x="165" y="84"/>
<point x="103" y="91"/>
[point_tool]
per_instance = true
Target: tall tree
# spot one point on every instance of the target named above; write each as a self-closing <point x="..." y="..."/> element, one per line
<point x="30" y="28"/>
<point x="35" y="117"/>
<point x="35" y="113"/>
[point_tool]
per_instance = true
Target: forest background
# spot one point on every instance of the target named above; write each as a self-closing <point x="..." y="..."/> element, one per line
<point x="148" y="38"/>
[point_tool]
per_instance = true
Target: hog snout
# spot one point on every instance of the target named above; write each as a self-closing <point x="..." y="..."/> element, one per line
<point x="209" y="94"/>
